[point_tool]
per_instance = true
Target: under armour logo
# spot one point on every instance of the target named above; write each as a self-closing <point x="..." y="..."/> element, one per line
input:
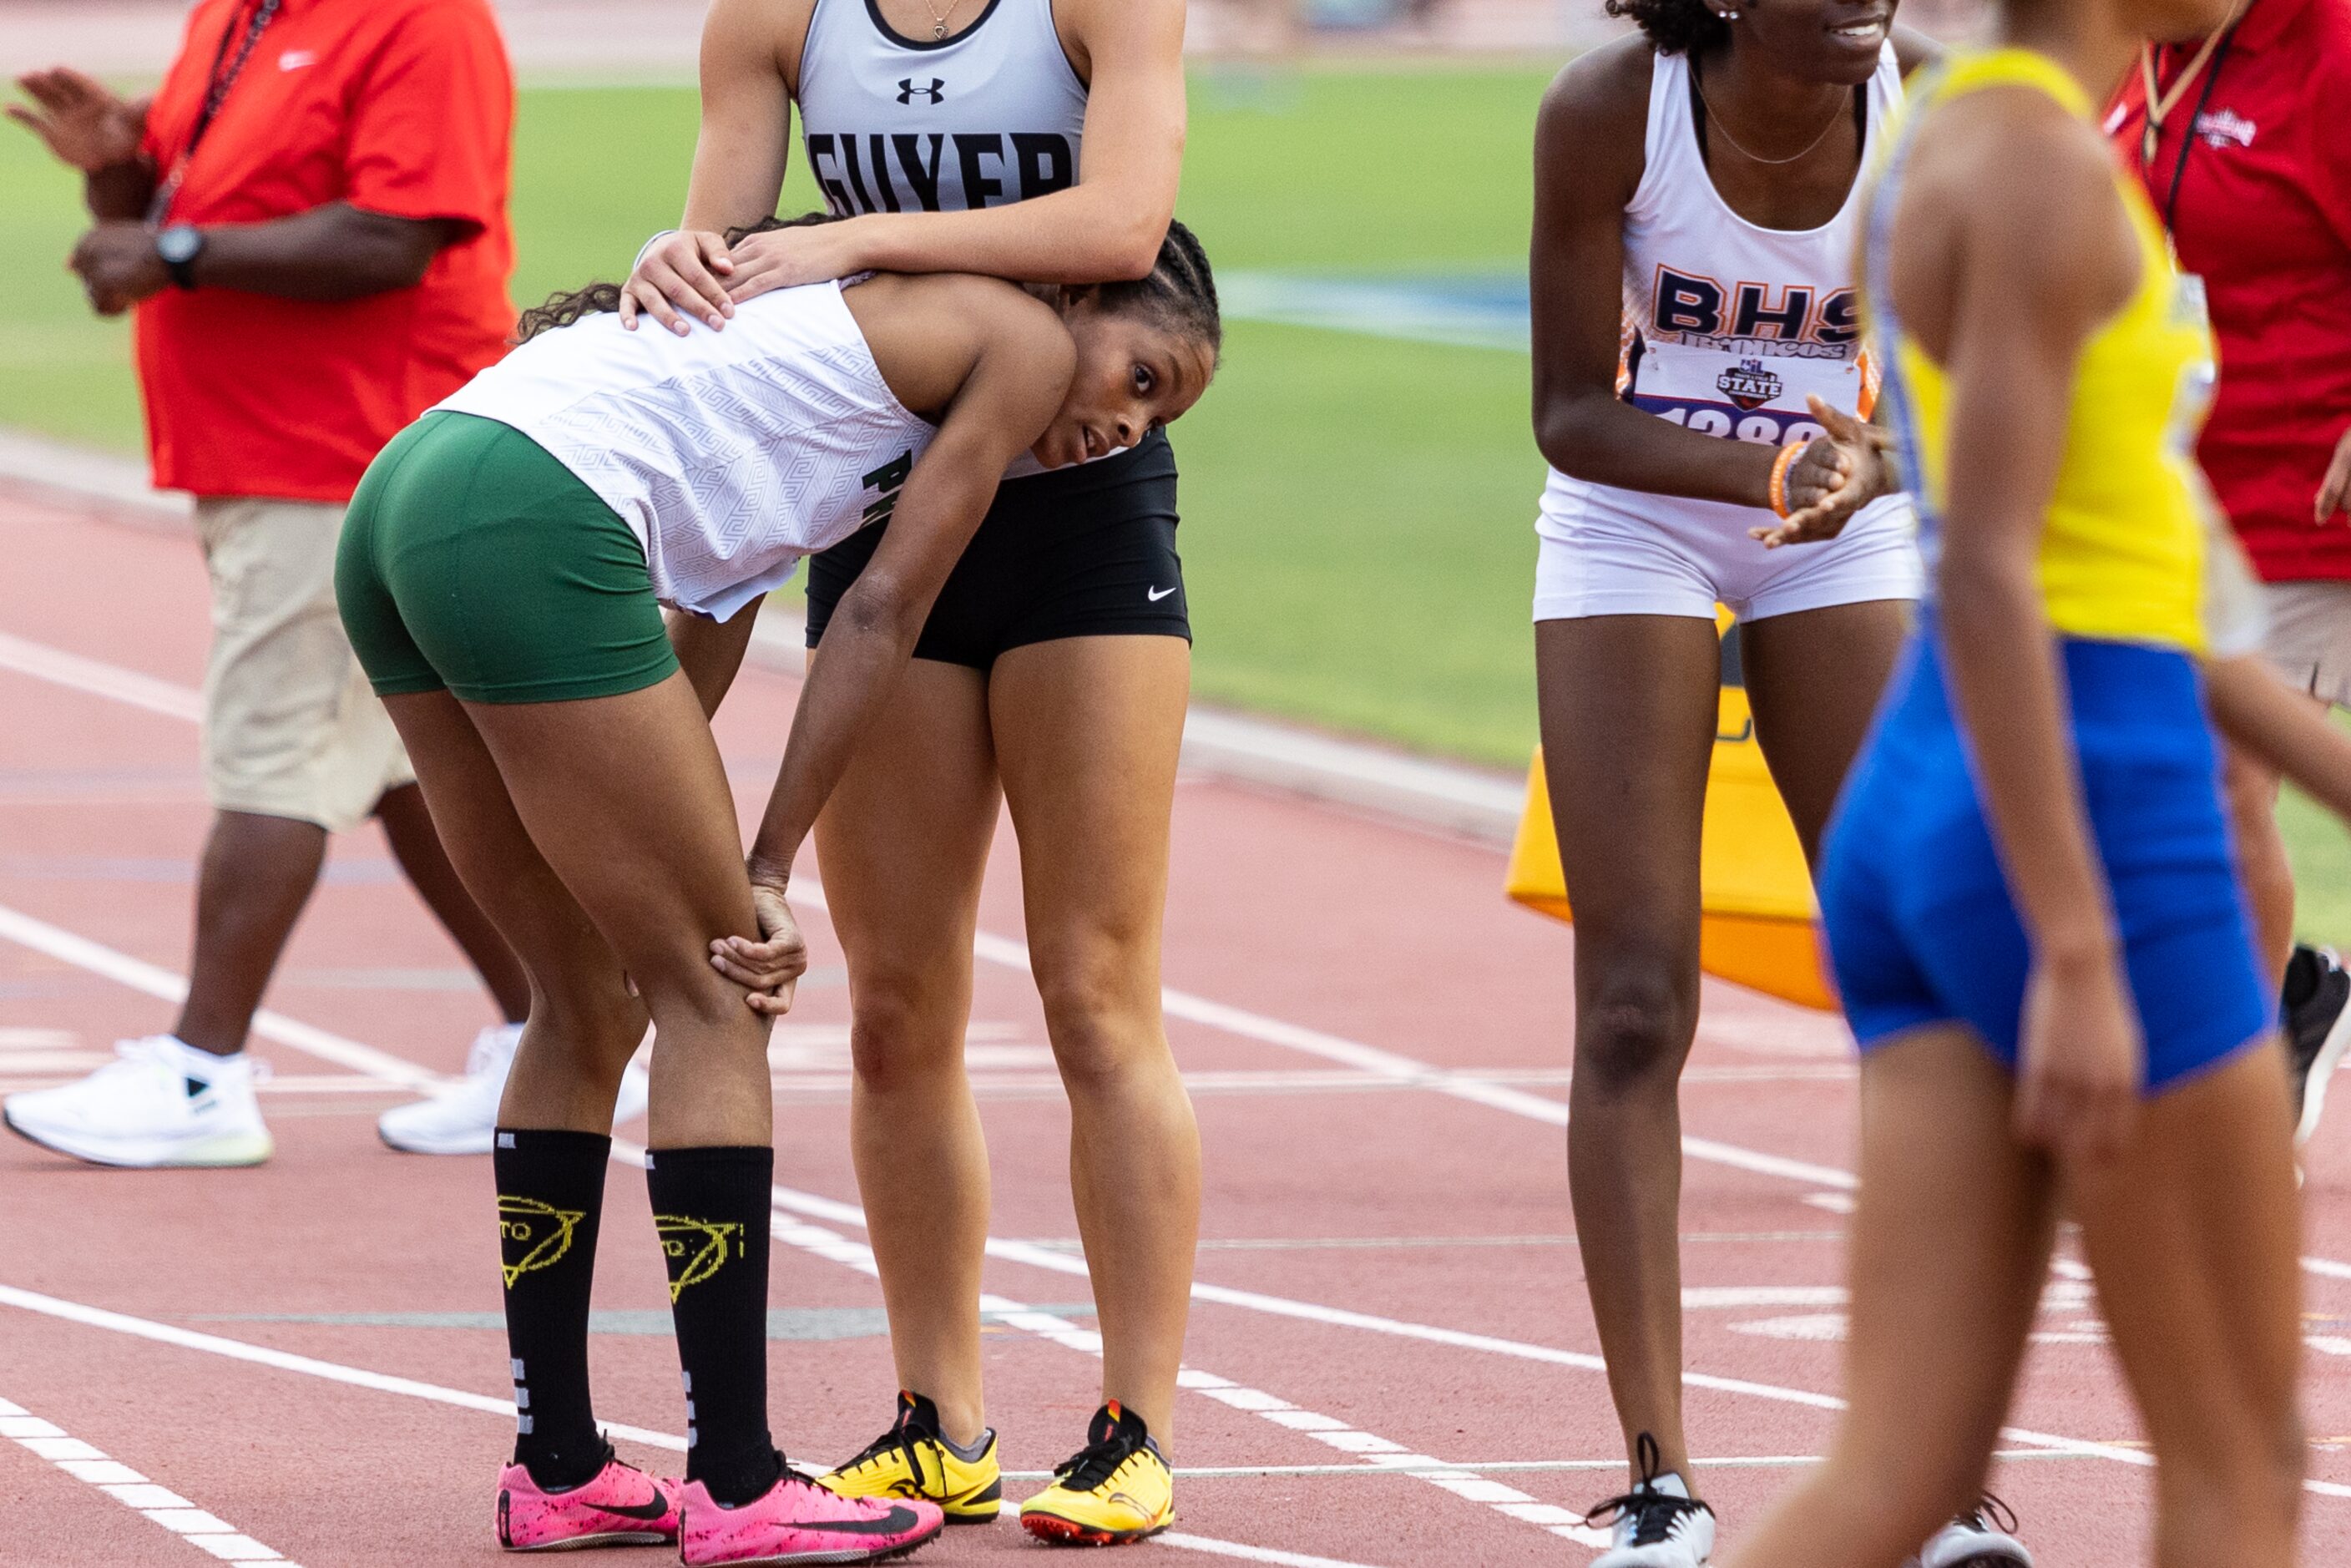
<point x="908" y="92"/>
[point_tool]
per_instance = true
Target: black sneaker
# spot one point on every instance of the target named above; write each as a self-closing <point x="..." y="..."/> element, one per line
<point x="2317" y="1030"/>
<point x="1654" y="1528"/>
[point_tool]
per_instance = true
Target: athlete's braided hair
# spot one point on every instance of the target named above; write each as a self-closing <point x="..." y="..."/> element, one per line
<point x="1675" y="27"/>
<point x="1180" y="292"/>
<point x="561" y="309"/>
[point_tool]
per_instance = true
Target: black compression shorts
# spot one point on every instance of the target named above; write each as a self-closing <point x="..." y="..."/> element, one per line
<point x="1087" y="552"/>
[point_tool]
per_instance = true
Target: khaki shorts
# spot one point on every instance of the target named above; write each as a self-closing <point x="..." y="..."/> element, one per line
<point x="2309" y="637"/>
<point x="292" y="729"/>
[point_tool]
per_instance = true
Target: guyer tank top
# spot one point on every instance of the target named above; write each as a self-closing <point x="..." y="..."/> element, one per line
<point x="1727" y="326"/>
<point x="729" y="454"/>
<point x="994" y="114"/>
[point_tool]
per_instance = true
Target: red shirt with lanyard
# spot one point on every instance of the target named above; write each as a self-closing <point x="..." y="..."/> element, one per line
<point x="2250" y="168"/>
<point x="399" y="107"/>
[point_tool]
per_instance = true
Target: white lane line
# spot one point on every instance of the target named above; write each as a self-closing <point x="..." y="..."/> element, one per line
<point x="1400" y="1069"/>
<point x="129" y="687"/>
<point x="160" y="1504"/>
<point x="185" y="702"/>
<point x="1185" y="1542"/>
<point x="1509" y="1467"/>
<point x="1340" y="1317"/>
<point x="1249" y="1025"/>
<point x="1372" y="1450"/>
<point x="287" y="1361"/>
<point x="141" y="975"/>
<point x="138" y="975"/>
<point x="88" y="1464"/>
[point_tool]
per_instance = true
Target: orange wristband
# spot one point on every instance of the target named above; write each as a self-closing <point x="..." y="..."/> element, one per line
<point x="1779" y="466"/>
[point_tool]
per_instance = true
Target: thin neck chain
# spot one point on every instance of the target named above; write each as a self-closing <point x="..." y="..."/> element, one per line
<point x="1699" y="80"/>
<point x="939" y="17"/>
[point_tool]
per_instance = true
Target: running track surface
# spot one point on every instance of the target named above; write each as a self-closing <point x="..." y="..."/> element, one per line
<point x="1392" y="1362"/>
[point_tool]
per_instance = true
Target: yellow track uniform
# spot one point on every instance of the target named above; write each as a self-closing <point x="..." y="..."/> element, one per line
<point x="1914" y="896"/>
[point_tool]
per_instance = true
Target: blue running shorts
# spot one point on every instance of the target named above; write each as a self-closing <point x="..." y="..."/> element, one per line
<point x="1920" y="925"/>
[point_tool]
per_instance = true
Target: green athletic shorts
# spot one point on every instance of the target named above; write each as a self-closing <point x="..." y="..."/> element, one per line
<point x="472" y="560"/>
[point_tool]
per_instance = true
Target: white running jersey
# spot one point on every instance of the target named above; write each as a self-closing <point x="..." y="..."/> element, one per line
<point x="1727" y="326"/>
<point x="994" y="114"/>
<point x="729" y="454"/>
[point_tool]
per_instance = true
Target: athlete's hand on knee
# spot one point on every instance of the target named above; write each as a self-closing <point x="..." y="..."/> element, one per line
<point x="2081" y="1059"/>
<point x="787" y="258"/>
<point x="771" y="967"/>
<point x="679" y="275"/>
<point x="1834" y="476"/>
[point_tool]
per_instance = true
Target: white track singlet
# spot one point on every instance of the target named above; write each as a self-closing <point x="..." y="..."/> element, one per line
<point x="992" y="115"/>
<point x="729" y="454"/>
<point x="1727" y="327"/>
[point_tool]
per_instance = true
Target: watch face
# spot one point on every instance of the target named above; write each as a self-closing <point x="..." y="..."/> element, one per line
<point x="179" y="244"/>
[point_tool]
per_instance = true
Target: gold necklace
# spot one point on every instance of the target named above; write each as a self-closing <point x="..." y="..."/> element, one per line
<point x="1699" y="83"/>
<point x="939" y="17"/>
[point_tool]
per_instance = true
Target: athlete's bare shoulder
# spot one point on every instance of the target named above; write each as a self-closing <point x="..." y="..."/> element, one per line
<point x="1595" y="117"/>
<point x="927" y="331"/>
<point x="1149" y="30"/>
<point x="766" y="35"/>
<point x="1966" y="158"/>
<point x="2058" y="246"/>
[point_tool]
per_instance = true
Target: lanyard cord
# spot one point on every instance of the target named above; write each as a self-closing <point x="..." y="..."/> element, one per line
<point x="225" y="73"/>
<point x="2160" y="105"/>
<point x="2187" y="135"/>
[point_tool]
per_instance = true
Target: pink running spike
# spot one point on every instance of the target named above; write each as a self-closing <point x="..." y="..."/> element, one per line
<point x="620" y="1507"/>
<point x="797" y="1522"/>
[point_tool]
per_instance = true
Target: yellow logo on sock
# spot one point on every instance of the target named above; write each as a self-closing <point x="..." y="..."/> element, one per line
<point x="702" y="1243"/>
<point x="541" y="1231"/>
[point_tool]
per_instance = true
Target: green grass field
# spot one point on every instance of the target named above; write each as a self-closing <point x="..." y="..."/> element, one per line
<point x="1357" y="510"/>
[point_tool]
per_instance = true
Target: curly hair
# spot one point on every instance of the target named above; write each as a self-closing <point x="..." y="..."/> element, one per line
<point x="1675" y="27"/>
<point x="563" y="309"/>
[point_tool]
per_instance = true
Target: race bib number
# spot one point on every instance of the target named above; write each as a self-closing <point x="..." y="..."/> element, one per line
<point x="1759" y="399"/>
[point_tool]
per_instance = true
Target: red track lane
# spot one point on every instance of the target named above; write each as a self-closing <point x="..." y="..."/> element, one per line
<point x="1332" y="1190"/>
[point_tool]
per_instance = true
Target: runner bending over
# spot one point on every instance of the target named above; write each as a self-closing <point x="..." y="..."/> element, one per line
<point x="1039" y="140"/>
<point x="502" y="574"/>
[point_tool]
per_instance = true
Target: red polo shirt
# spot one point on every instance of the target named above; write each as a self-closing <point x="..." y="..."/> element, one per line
<point x="2263" y="212"/>
<point x="402" y="106"/>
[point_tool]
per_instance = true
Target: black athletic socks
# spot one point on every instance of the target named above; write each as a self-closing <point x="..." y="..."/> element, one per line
<point x="550" y="1192"/>
<point x="711" y="1207"/>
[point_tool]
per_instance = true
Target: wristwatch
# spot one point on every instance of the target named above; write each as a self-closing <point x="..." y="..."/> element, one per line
<point x="179" y="246"/>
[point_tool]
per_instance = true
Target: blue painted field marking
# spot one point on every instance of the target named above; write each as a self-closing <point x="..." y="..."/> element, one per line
<point x="1465" y="310"/>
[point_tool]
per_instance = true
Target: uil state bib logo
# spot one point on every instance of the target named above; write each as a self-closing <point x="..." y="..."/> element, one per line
<point x="696" y="1248"/>
<point x="532" y="1235"/>
<point x="1748" y="385"/>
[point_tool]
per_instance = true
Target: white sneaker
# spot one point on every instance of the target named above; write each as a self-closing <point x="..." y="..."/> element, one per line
<point x="1658" y="1523"/>
<point x="161" y="1104"/>
<point x="1981" y="1538"/>
<point x="463" y="1119"/>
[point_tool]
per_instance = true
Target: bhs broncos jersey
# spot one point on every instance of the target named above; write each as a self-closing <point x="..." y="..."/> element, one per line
<point x="1727" y="325"/>
<point x="994" y="114"/>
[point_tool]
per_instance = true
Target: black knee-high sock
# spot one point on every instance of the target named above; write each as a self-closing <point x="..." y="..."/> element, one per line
<point x="711" y="1207"/>
<point x="550" y="1193"/>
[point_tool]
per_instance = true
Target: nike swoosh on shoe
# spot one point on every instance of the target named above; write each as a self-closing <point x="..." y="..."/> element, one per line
<point x="890" y="1523"/>
<point x="659" y="1509"/>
